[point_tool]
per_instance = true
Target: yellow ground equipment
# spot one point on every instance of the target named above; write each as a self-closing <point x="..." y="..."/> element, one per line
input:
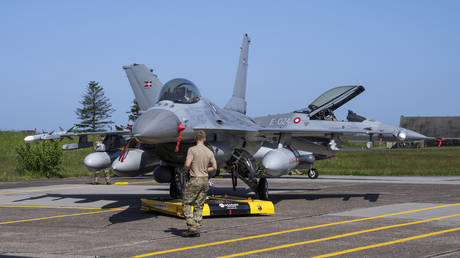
<point x="214" y="206"/>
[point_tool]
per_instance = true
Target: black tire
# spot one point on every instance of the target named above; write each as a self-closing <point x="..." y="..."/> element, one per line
<point x="174" y="191"/>
<point x="313" y="173"/>
<point x="262" y="189"/>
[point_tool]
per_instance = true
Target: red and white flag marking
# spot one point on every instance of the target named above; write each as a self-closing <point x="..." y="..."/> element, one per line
<point x="148" y="84"/>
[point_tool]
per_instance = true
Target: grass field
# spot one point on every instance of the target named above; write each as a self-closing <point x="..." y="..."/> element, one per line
<point x="431" y="161"/>
<point x="72" y="160"/>
<point x="421" y="162"/>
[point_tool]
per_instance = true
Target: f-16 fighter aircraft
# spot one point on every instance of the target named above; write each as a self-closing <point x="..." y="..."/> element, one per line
<point x="167" y="125"/>
<point x="322" y="109"/>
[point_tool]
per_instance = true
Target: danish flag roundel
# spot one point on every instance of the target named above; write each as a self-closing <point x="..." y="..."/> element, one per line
<point x="297" y="120"/>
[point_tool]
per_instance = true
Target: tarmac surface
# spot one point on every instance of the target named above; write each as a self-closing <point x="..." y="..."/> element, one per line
<point x="329" y="216"/>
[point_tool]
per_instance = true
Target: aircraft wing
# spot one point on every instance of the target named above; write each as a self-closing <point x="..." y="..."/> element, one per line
<point x="313" y="132"/>
<point x="118" y="132"/>
<point x="294" y="132"/>
<point x="230" y="130"/>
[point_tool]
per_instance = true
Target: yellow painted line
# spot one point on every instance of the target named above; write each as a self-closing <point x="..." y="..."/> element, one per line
<point x="140" y="182"/>
<point x="339" y="236"/>
<point x="60" y="216"/>
<point x="132" y="183"/>
<point x="50" y="189"/>
<point x="291" y="230"/>
<point x="50" y="207"/>
<point x="389" y="243"/>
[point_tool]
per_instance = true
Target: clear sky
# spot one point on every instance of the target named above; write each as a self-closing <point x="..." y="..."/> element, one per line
<point x="405" y="53"/>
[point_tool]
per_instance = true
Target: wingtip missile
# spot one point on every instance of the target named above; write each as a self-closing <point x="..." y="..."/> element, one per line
<point x="33" y="138"/>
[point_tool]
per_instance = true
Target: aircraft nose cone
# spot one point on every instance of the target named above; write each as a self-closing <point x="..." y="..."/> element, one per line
<point x="156" y="126"/>
<point x="412" y="135"/>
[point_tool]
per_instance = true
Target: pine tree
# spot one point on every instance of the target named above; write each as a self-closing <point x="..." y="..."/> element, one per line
<point x="95" y="110"/>
<point x="134" y="113"/>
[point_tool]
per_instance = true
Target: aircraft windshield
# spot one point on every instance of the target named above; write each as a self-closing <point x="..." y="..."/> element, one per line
<point x="180" y="91"/>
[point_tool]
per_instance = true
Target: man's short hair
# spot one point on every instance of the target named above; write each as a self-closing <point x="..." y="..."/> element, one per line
<point x="200" y="135"/>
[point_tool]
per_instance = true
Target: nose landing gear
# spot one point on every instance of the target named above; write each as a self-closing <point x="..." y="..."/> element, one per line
<point x="313" y="173"/>
<point x="262" y="188"/>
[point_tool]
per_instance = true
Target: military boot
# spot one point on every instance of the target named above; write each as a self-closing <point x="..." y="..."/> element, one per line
<point x="190" y="234"/>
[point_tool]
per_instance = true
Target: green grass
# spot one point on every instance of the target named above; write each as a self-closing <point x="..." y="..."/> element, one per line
<point x="72" y="160"/>
<point x="421" y="162"/>
<point x="425" y="162"/>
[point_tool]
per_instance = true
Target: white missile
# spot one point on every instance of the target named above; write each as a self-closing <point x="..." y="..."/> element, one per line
<point x="33" y="138"/>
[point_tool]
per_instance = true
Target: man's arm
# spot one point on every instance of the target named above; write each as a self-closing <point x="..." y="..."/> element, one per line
<point x="188" y="159"/>
<point x="188" y="163"/>
<point x="213" y="166"/>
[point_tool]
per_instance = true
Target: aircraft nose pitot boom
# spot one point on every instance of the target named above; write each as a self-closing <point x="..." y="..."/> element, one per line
<point x="156" y="126"/>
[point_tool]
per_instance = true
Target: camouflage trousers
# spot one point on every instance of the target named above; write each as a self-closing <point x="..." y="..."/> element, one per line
<point x="107" y="176"/>
<point x="195" y="194"/>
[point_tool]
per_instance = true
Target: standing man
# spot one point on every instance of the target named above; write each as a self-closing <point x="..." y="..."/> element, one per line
<point x="200" y="160"/>
<point x="100" y="147"/>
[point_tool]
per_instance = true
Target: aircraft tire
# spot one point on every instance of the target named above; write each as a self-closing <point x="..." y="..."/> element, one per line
<point x="262" y="189"/>
<point x="313" y="173"/>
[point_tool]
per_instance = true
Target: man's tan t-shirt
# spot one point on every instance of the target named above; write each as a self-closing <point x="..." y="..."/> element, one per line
<point x="201" y="158"/>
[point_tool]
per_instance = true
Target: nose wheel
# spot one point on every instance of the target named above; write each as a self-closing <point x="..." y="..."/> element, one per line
<point x="177" y="185"/>
<point x="262" y="189"/>
<point x="313" y="173"/>
<point x="173" y="190"/>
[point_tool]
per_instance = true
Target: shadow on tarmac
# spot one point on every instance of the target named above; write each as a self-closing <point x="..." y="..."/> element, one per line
<point x="132" y="202"/>
<point x="276" y="198"/>
<point x="245" y="193"/>
<point x="175" y="231"/>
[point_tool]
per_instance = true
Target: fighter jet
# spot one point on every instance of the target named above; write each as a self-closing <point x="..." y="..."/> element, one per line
<point x="322" y="109"/>
<point x="166" y="131"/>
<point x="168" y="122"/>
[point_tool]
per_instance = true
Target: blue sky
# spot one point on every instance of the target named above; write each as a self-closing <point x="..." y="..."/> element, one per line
<point x="405" y="53"/>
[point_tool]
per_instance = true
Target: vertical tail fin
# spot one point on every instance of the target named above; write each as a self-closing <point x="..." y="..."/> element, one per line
<point x="144" y="83"/>
<point x="238" y="101"/>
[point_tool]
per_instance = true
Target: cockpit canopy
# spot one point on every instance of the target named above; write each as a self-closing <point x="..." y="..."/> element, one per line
<point x="180" y="91"/>
<point x="323" y="106"/>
